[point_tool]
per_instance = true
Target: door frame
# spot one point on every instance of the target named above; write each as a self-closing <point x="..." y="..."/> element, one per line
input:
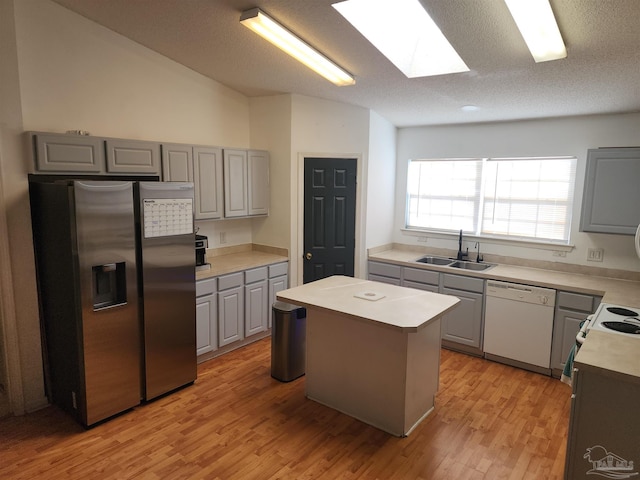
<point x="297" y="249"/>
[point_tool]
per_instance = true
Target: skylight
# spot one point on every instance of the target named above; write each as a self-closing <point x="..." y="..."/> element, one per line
<point x="404" y="33"/>
<point x="539" y="28"/>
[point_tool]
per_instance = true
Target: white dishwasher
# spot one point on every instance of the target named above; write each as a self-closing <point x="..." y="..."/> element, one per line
<point x="518" y="324"/>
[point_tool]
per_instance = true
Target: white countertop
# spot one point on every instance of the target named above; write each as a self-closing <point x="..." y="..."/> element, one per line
<point x="236" y="262"/>
<point x="619" y="292"/>
<point x="610" y="354"/>
<point x="395" y="307"/>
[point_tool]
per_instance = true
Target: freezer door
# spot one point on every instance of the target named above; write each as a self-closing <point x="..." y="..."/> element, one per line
<point x="168" y="284"/>
<point x="105" y="229"/>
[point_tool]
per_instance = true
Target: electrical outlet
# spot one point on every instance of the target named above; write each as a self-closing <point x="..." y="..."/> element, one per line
<point x="559" y="253"/>
<point x="423" y="239"/>
<point x="223" y="237"/>
<point x="595" y="254"/>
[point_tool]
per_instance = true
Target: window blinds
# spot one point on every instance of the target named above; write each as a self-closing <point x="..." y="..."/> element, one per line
<point x="520" y="198"/>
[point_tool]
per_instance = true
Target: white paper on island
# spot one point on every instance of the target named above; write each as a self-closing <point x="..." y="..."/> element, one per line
<point x="371" y="296"/>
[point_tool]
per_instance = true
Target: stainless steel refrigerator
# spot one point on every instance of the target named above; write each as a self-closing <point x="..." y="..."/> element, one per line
<point x="115" y="264"/>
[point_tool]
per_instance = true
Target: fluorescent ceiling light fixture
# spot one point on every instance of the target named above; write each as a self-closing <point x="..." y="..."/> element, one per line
<point x="404" y="33"/>
<point x="258" y="21"/>
<point x="539" y="29"/>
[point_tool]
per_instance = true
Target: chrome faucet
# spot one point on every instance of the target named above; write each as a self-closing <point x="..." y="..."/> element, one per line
<point x="461" y="255"/>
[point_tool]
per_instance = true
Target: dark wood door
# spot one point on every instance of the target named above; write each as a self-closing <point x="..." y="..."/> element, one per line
<point x="329" y="217"/>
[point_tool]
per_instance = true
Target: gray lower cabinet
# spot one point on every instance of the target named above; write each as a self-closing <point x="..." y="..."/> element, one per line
<point x="385" y="273"/>
<point x="611" y="194"/>
<point x="256" y="291"/>
<point x="206" y="316"/>
<point x="462" y="327"/>
<point x="230" y="308"/>
<point x="278" y="281"/>
<point x="603" y="426"/>
<point x="570" y="311"/>
<point x="237" y="306"/>
<point x="421" y="279"/>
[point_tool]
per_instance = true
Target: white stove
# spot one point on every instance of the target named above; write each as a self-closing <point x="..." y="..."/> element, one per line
<point x="616" y="319"/>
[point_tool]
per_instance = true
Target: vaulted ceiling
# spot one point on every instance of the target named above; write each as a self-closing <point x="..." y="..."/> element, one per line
<point x="601" y="73"/>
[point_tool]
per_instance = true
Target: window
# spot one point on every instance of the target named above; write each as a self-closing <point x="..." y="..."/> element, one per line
<point x="517" y="198"/>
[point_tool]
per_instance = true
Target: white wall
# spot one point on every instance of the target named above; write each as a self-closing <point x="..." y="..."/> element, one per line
<point x="74" y="74"/>
<point x="271" y="131"/>
<point x="322" y="128"/>
<point x="380" y="184"/>
<point x="15" y="237"/>
<point x="560" y="136"/>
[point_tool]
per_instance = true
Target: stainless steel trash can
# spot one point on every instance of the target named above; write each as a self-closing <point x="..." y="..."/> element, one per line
<point x="288" y="341"/>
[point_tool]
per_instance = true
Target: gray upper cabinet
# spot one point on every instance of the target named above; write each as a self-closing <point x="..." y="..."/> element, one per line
<point x="68" y="153"/>
<point x="83" y="154"/>
<point x="177" y="163"/>
<point x="228" y="184"/>
<point x="258" y="182"/>
<point x="611" y="191"/>
<point x="134" y="157"/>
<point x="236" y="194"/>
<point x="207" y="163"/>
<point x="246" y="183"/>
<point x="203" y="167"/>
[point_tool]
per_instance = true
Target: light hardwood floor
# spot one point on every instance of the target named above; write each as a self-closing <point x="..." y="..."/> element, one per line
<point x="490" y="422"/>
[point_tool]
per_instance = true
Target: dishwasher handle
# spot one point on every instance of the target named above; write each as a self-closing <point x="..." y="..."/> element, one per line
<point x="521" y="293"/>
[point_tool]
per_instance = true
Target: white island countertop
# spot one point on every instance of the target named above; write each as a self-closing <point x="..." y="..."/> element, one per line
<point x="400" y="308"/>
<point x="372" y="349"/>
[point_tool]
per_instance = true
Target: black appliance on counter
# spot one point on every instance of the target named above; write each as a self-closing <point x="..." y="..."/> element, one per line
<point x="202" y="242"/>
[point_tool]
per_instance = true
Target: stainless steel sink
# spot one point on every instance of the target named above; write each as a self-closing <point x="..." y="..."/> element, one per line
<point x="435" y="260"/>
<point x="477" y="267"/>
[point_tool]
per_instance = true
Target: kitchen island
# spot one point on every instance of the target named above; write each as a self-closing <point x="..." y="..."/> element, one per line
<point x="372" y="349"/>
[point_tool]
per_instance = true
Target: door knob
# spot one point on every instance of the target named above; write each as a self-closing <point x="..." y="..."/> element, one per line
<point x="308" y="256"/>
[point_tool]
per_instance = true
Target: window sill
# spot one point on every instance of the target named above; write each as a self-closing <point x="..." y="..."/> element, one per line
<point x="414" y="232"/>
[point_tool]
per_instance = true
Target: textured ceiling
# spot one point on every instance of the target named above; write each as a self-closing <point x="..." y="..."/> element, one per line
<point x="601" y="73"/>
